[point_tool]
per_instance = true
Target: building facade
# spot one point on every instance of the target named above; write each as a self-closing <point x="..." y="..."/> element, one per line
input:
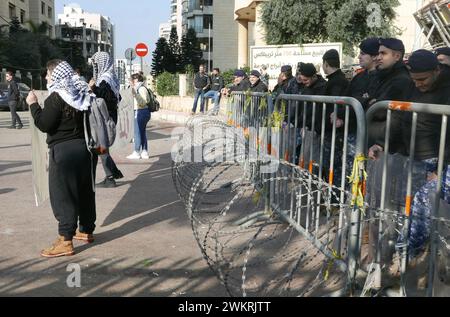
<point x="176" y="16"/>
<point x="198" y="15"/>
<point x="92" y="31"/>
<point x="164" y="30"/>
<point x="36" y="11"/>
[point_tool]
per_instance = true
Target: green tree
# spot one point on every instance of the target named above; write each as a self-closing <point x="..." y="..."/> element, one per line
<point x="307" y="21"/>
<point x="159" y="57"/>
<point x="174" y="58"/>
<point x="190" y="50"/>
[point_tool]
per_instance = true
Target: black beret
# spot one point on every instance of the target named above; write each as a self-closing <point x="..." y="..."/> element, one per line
<point x="299" y="66"/>
<point x="255" y="73"/>
<point x="331" y="54"/>
<point x="393" y="44"/>
<point x="239" y="73"/>
<point x="443" y="51"/>
<point x="286" y="68"/>
<point x="370" y="46"/>
<point x="422" y="61"/>
<point x="308" y="70"/>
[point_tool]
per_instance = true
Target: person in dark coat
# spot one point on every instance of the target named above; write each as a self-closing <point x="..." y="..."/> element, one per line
<point x="393" y="83"/>
<point x="13" y="100"/>
<point x="71" y="185"/>
<point x="286" y="83"/>
<point x="314" y="84"/>
<point x="240" y="83"/>
<point x="337" y="85"/>
<point x="256" y="85"/>
<point x="432" y="86"/>
<point x="105" y="85"/>
<point x="201" y="86"/>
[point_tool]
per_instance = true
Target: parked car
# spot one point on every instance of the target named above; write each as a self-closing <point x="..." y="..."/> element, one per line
<point x="23" y="89"/>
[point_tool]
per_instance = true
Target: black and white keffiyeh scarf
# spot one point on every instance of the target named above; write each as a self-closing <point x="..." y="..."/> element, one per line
<point x="104" y="71"/>
<point x="70" y="87"/>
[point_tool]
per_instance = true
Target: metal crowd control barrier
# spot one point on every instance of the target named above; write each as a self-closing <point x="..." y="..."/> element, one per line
<point x="403" y="213"/>
<point x="283" y="193"/>
<point x="298" y="108"/>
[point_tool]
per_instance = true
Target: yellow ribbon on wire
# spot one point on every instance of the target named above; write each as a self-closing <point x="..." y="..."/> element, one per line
<point x="336" y="256"/>
<point x="358" y="181"/>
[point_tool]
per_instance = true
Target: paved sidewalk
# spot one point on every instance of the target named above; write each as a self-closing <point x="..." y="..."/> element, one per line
<point x="144" y="243"/>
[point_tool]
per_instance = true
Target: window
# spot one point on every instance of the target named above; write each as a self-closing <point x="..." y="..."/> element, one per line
<point x="12" y="11"/>
<point x="50" y="12"/>
<point x="42" y="8"/>
<point x="22" y="16"/>
<point x="207" y="21"/>
<point x="207" y="2"/>
<point x="50" y="31"/>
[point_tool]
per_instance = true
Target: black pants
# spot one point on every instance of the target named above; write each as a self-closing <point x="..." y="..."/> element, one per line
<point x="71" y="192"/>
<point x="14" y="116"/>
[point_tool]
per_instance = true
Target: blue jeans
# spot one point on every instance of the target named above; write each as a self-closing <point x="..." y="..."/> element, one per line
<point x="141" y="118"/>
<point x="199" y="93"/>
<point x="215" y="96"/>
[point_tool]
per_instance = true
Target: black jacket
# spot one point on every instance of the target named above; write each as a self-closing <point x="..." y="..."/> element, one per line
<point x="361" y="87"/>
<point x="60" y="121"/>
<point x="216" y="83"/>
<point x="201" y="80"/>
<point x="337" y="85"/>
<point x="428" y="131"/>
<point x="104" y="91"/>
<point x="13" y="91"/>
<point x="244" y="85"/>
<point x="289" y="86"/>
<point x="392" y="84"/>
<point x="259" y="87"/>
<point x="316" y="89"/>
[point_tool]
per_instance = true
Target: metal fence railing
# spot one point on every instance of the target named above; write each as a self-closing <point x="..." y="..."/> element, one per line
<point x="412" y="197"/>
<point x="284" y="202"/>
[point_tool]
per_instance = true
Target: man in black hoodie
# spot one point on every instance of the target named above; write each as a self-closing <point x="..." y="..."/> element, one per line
<point x="393" y="81"/>
<point x="432" y="86"/>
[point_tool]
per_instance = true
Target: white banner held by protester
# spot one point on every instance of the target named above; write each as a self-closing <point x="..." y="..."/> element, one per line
<point x="125" y="121"/>
<point x="39" y="158"/>
<point x="275" y="56"/>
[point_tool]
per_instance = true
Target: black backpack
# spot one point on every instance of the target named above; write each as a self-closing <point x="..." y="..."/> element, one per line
<point x="153" y="105"/>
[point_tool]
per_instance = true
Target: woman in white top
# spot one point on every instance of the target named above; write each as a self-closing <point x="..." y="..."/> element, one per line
<point x="142" y="116"/>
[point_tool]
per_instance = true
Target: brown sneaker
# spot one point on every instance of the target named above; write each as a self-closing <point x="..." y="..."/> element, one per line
<point x="89" y="238"/>
<point x="59" y="248"/>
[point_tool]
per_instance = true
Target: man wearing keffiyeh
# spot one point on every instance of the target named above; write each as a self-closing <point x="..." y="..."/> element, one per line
<point x="70" y="163"/>
<point x="106" y="85"/>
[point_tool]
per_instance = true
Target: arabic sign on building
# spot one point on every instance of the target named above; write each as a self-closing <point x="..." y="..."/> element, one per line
<point x="274" y="56"/>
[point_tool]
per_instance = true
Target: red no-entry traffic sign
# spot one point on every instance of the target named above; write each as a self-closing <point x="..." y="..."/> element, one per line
<point x="141" y="50"/>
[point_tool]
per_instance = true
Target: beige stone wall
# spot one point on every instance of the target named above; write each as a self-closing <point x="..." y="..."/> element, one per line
<point x="225" y="35"/>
